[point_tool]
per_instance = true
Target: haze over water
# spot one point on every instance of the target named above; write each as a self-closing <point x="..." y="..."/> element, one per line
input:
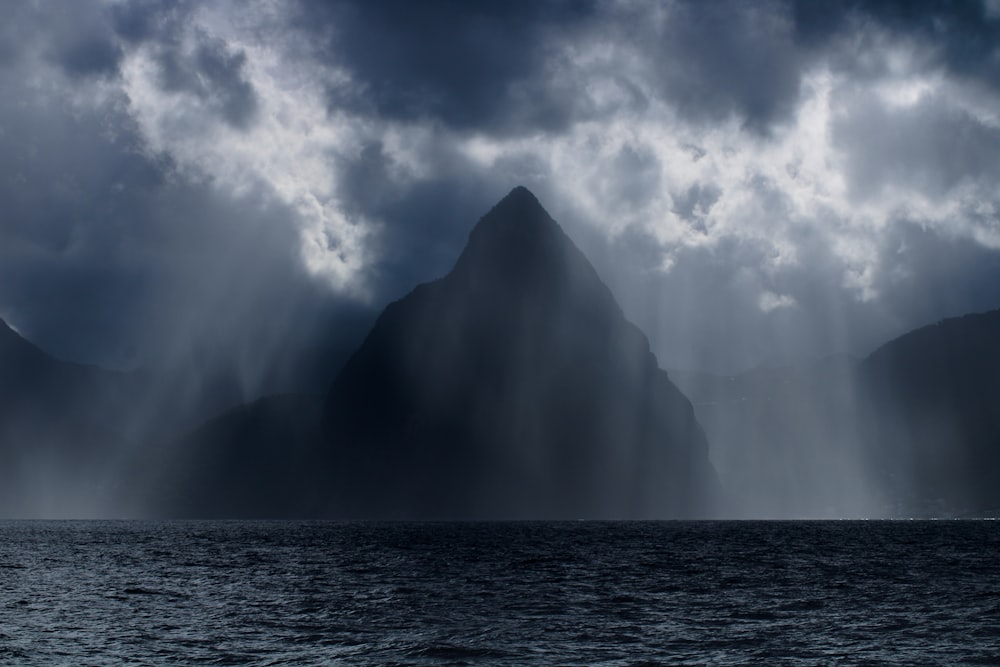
<point x="540" y="593"/>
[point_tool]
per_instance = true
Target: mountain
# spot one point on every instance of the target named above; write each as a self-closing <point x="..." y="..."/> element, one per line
<point x="58" y="426"/>
<point x="911" y="430"/>
<point x="513" y="387"/>
<point x="32" y="380"/>
<point x="932" y="421"/>
<point x="262" y="460"/>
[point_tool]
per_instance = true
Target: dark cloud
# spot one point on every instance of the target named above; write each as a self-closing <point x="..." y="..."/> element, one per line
<point x="142" y="20"/>
<point x="11" y="30"/>
<point x="817" y="21"/>
<point x="716" y="59"/>
<point x="62" y="172"/>
<point x="483" y="65"/>
<point x="502" y="67"/>
<point x="962" y="36"/>
<point x="89" y="55"/>
<point x="83" y="42"/>
<point x="75" y="36"/>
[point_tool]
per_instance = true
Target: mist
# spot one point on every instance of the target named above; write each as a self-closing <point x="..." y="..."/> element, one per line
<point x="208" y="205"/>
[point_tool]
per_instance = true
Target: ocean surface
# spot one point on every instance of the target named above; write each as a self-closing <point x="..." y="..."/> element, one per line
<point x="647" y="593"/>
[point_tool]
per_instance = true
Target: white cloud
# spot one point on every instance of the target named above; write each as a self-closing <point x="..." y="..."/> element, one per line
<point x="769" y="301"/>
<point x="288" y="148"/>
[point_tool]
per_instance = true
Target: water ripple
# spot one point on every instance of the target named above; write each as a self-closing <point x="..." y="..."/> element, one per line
<point x="230" y="593"/>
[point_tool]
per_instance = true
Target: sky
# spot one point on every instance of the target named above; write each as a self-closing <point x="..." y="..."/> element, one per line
<point x="757" y="182"/>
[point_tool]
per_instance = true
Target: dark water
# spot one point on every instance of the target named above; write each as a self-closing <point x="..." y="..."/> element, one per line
<point x="108" y="593"/>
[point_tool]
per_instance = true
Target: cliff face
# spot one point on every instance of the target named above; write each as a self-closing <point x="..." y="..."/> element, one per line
<point x="513" y="387"/>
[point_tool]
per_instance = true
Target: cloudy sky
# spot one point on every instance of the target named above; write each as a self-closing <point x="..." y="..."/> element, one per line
<point x="756" y="181"/>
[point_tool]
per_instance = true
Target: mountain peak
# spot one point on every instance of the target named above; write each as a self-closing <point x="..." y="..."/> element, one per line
<point x="515" y="237"/>
<point x="520" y="196"/>
<point x="519" y="210"/>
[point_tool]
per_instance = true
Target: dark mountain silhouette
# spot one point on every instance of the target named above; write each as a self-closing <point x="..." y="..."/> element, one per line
<point x="260" y="460"/>
<point x="32" y="380"/>
<point x="932" y="417"/>
<point x="58" y="426"/>
<point x="513" y="387"/>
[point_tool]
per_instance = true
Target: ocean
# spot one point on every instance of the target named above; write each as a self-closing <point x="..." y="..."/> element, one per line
<point x="535" y="593"/>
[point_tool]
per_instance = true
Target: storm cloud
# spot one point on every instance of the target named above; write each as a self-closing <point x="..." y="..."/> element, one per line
<point x="497" y="66"/>
<point x="753" y="180"/>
